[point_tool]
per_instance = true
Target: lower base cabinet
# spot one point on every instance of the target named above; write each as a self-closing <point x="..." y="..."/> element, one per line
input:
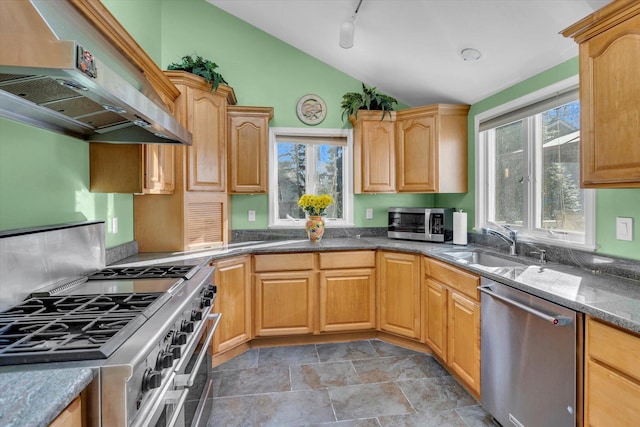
<point x="399" y="293"/>
<point x="612" y="376"/>
<point x="284" y="294"/>
<point x="452" y="319"/>
<point x="71" y="416"/>
<point x="347" y="291"/>
<point x="233" y="299"/>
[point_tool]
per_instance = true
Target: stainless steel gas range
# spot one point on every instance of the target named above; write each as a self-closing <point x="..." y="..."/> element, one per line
<point x="146" y="331"/>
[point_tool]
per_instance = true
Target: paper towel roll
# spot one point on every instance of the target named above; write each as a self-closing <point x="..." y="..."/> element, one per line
<point x="459" y="228"/>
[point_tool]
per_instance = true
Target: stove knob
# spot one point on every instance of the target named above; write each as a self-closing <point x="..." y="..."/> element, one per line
<point x="180" y="338"/>
<point x="165" y="360"/>
<point x="186" y="326"/>
<point x="176" y="351"/>
<point x="209" y="294"/>
<point x="205" y="302"/>
<point x="212" y="288"/>
<point x="196" y="316"/>
<point x="151" y="379"/>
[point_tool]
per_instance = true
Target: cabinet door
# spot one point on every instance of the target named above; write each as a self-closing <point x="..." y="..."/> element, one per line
<point x="399" y="287"/>
<point x="416" y="166"/>
<point x="206" y="157"/>
<point x="374" y="153"/>
<point x="611" y="399"/>
<point x="436" y="318"/>
<point x="463" y="352"/>
<point x="609" y="94"/>
<point x="71" y="416"/>
<point x="248" y="129"/>
<point x="284" y="303"/>
<point x="347" y="300"/>
<point x="233" y="299"/>
<point x="159" y="176"/>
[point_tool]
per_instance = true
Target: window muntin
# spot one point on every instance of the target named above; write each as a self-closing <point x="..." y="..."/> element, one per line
<point x="528" y="172"/>
<point x="313" y="161"/>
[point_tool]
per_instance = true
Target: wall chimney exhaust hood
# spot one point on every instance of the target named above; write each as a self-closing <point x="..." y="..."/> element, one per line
<point x="59" y="73"/>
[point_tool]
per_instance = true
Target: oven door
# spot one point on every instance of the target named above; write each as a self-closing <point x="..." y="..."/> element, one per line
<point x="184" y="402"/>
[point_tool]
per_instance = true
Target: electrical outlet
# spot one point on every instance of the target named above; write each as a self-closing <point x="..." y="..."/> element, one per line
<point x="251" y="216"/>
<point x="624" y="228"/>
<point x="114" y="225"/>
<point x="369" y="213"/>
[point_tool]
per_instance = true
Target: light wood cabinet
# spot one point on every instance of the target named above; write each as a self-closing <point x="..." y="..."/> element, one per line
<point x="284" y="296"/>
<point x="612" y="376"/>
<point x="204" y="113"/>
<point x="609" y="42"/>
<point x="399" y="293"/>
<point x="435" y="317"/>
<point x="71" y="416"/>
<point x="431" y="149"/>
<point x="248" y="149"/>
<point x="233" y="299"/>
<point x="347" y="291"/>
<point x="452" y="319"/>
<point x="131" y="169"/>
<point x="373" y="152"/>
<point x="196" y="214"/>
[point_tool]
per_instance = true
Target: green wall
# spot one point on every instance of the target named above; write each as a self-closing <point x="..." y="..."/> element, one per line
<point x="609" y="203"/>
<point x="44" y="180"/>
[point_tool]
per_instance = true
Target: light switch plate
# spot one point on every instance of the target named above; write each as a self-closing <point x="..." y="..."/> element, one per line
<point x="624" y="228"/>
<point x="369" y="213"/>
<point x="251" y="216"/>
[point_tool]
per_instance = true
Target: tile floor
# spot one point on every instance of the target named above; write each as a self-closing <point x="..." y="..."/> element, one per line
<point x="353" y="384"/>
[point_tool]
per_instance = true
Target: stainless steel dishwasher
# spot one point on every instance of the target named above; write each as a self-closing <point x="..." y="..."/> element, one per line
<point x="529" y="358"/>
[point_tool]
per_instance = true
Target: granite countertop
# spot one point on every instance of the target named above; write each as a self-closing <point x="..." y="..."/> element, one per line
<point x="610" y="298"/>
<point x="35" y="398"/>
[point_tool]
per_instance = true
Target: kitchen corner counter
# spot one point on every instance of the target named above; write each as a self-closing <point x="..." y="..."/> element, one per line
<point x="35" y="398"/>
<point x="610" y="298"/>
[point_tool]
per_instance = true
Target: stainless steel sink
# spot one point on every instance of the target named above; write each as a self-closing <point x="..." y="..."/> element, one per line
<point x="482" y="259"/>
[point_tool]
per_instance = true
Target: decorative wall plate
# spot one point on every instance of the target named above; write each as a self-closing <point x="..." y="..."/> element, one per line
<point x="311" y="109"/>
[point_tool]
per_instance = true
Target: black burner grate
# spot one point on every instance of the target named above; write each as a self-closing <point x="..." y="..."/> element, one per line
<point x="75" y="327"/>
<point x="153" y="272"/>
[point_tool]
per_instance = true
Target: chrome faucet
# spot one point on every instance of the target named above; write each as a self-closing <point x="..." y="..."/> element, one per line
<point x="511" y="238"/>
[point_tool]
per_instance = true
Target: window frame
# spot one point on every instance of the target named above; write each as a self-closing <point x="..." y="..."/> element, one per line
<point x="482" y="184"/>
<point x="347" y="155"/>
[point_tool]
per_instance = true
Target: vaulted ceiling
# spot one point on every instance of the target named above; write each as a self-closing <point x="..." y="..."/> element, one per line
<point x="410" y="49"/>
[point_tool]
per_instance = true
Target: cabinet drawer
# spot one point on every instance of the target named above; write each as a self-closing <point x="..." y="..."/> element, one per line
<point x="613" y="347"/>
<point x="453" y="277"/>
<point x="350" y="259"/>
<point x="283" y="262"/>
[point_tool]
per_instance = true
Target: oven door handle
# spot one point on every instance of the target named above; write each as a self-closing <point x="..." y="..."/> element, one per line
<point x="179" y="398"/>
<point x="188" y="379"/>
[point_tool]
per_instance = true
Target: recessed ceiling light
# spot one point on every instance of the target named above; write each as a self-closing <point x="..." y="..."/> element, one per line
<point x="470" y="54"/>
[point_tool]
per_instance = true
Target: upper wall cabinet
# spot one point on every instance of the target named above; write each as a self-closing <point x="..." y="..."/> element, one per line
<point x="204" y="113"/>
<point x="431" y="149"/>
<point x="248" y="149"/>
<point x="373" y="152"/>
<point x="609" y="95"/>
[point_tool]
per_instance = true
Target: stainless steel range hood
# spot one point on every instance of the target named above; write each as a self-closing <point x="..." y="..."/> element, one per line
<point x="59" y="73"/>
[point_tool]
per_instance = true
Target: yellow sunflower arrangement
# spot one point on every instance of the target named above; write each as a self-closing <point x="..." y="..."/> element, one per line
<point x="315" y="205"/>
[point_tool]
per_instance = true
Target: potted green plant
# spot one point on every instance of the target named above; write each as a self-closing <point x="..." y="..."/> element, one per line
<point x="196" y="64"/>
<point x="369" y="99"/>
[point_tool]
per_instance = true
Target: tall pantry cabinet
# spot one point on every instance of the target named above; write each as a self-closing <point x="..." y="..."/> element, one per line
<point x="196" y="215"/>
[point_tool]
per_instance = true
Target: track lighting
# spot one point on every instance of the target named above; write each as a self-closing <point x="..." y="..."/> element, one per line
<point x="348" y="28"/>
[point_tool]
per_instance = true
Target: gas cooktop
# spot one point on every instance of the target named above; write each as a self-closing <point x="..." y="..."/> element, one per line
<point x="148" y="272"/>
<point x="72" y="327"/>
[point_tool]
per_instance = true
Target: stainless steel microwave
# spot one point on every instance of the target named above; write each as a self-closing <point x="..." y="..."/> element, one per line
<point x="425" y="224"/>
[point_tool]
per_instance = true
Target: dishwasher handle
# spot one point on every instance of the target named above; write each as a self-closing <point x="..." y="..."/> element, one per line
<point x="554" y="320"/>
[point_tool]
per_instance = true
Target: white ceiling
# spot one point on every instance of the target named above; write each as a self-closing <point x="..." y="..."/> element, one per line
<point x="410" y="49"/>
